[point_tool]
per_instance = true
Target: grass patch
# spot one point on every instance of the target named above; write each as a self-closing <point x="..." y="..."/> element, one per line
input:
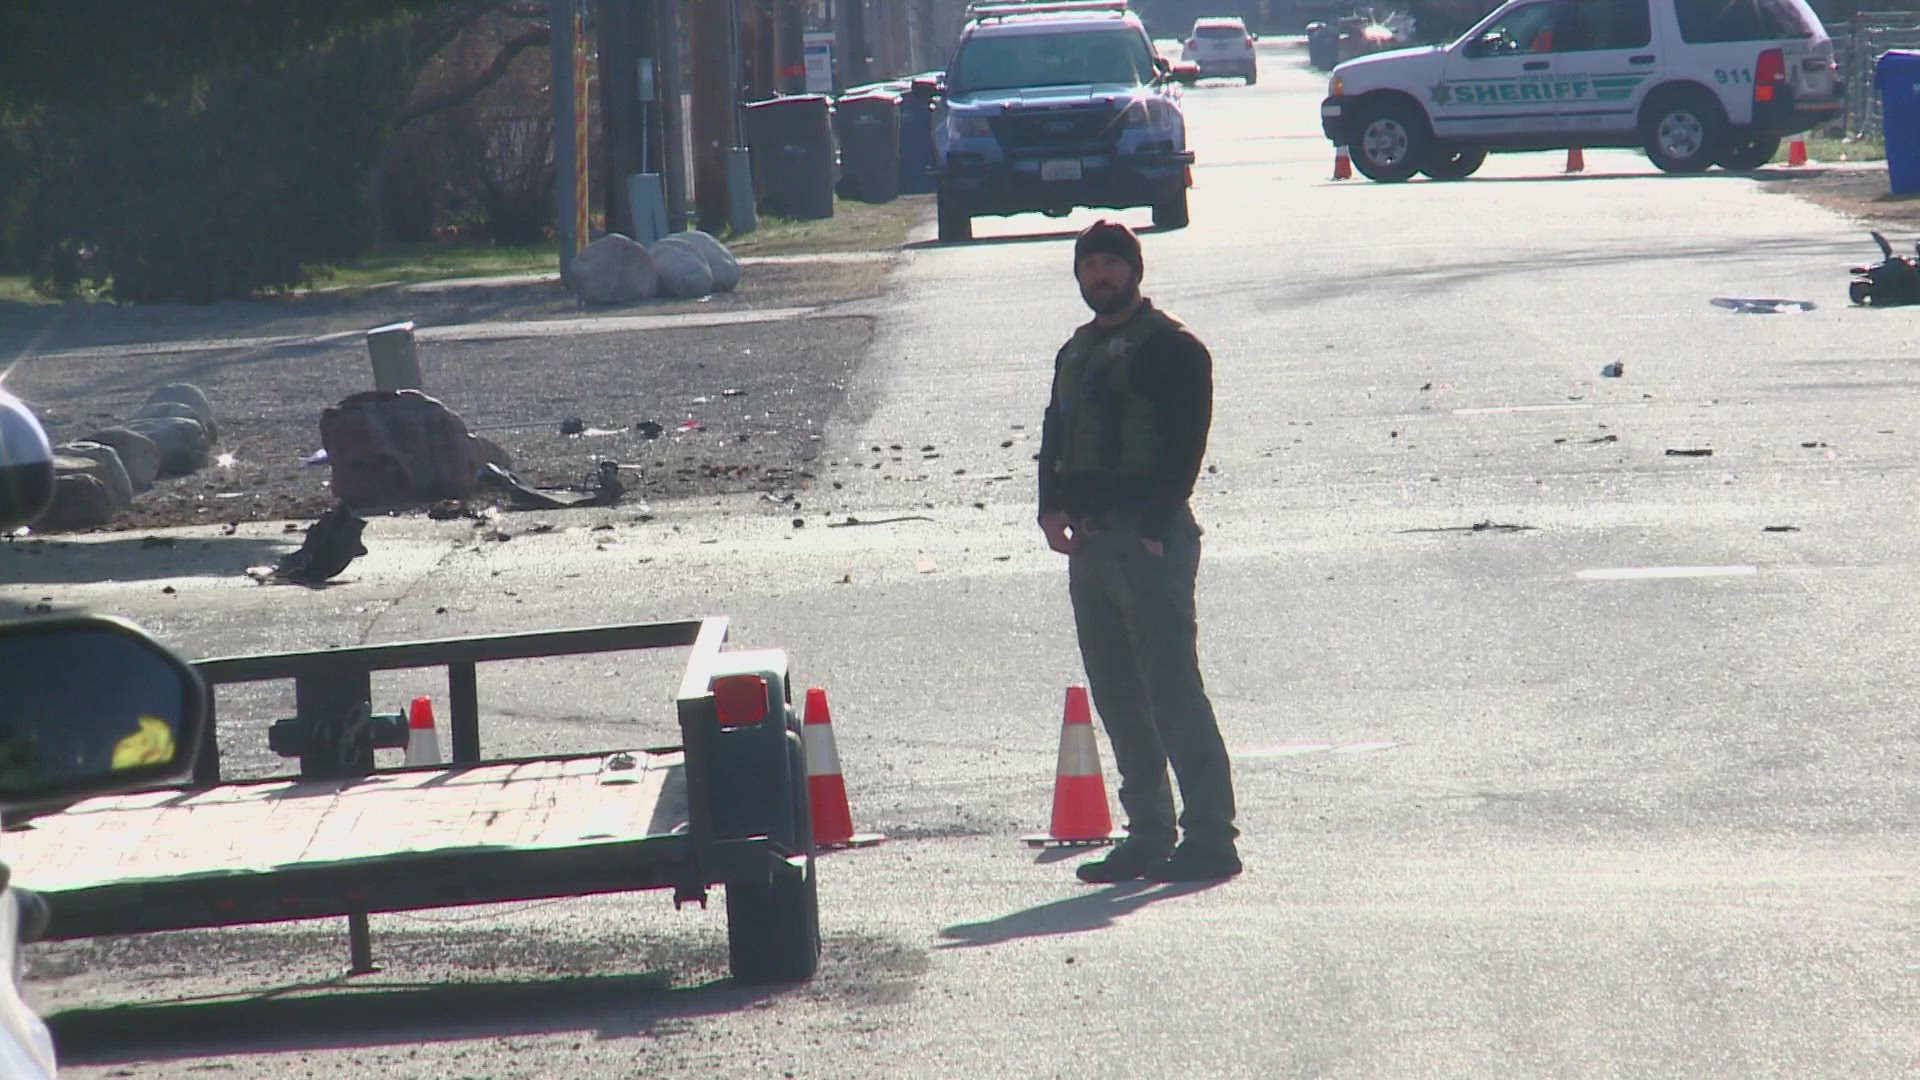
<point x="1834" y="150"/>
<point x="854" y="226"/>
<point x="433" y="260"/>
<point x="18" y="289"/>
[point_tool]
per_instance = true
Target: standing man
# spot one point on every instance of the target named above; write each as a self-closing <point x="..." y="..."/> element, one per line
<point x="1125" y="433"/>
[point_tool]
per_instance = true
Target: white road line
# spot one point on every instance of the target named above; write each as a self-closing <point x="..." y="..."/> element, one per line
<point x="1640" y="573"/>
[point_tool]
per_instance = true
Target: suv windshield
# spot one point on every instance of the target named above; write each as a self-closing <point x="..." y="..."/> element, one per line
<point x="1006" y="62"/>
<point x="1742" y="20"/>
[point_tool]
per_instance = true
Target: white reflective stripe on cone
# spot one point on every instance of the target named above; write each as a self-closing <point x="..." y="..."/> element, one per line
<point x="1079" y="754"/>
<point x="823" y="758"/>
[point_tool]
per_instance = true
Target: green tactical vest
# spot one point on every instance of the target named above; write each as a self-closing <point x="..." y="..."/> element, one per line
<point x="1107" y="426"/>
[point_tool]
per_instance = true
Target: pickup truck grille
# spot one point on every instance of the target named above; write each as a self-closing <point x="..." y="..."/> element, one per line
<point x="1058" y="129"/>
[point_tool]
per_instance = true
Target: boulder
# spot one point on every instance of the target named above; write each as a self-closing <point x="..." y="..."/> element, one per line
<point x="398" y="447"/>
<point x="193" y="398"/>
<point x="726" y="268"/>
<point x="183" y="443"/>
<point x="108" y="471"/>
<point x="683" y="271"/>
<point x="80" y="502"/>
<point x="612" y="270"/>
<point x="138" y="454"/>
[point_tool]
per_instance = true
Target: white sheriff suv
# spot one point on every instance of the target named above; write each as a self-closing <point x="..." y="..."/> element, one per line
<point x="1697" y="83"/>
<point x="1056" y="105"/>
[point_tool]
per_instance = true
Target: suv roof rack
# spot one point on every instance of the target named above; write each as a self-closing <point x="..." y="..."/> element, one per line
<point x="1004" y="9"/>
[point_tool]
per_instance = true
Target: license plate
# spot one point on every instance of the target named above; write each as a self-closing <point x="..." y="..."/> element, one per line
<point x="1058" y="171"/>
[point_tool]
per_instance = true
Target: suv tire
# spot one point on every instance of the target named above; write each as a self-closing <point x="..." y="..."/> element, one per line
<point x="1171" y="213"/>
<point x="956" y="221"/>
<point x="1454" y="163"/>
<point x="1746" y="155"/>
<point x="1684" y="132"/>
<point x="1388" y="140"/>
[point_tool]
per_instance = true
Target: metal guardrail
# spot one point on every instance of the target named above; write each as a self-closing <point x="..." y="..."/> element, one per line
<point x="1857" y="48"/>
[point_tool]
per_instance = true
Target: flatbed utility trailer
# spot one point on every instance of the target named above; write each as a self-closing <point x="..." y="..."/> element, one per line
<point x="727" y="807"/>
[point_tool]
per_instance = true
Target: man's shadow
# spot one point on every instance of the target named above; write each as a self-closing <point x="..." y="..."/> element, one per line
<point x="1073" y="915"/>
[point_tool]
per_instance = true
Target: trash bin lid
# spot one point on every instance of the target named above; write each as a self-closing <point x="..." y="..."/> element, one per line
<point x="1897" y="65"/>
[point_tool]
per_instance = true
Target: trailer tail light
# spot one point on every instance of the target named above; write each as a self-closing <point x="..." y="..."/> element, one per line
<point x="1769" y="75"/>
<point x="741" y="700"/>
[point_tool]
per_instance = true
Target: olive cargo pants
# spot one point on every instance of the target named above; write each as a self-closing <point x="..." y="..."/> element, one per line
<point x="1134" y="612"/>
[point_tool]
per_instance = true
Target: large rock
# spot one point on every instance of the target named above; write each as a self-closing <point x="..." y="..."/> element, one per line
<point x="108" y="471"/>
<point x="183" y="443"/>
<point x="612" y="270"/>
<point x="138" y="454"/>
<point x="80" y="501"/>
<point x="392" y="448"/>
<point x="683" y="271"/>
<point x="193" y="398"/>
<point x="726" y="268"/>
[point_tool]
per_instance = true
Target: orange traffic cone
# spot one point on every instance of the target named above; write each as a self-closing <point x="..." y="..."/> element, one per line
<point x="1576" y="159"/>
<point x="1080" y="816"/>
<point x="1342" y="164"/>
<point x="1797" y="151"/>
<point x="423" y="742"/>
<point x="826" y="788"/>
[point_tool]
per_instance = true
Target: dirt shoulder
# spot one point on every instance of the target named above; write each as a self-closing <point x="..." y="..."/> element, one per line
<point x="1860" y="193"/>
<point x="738" y="407"/>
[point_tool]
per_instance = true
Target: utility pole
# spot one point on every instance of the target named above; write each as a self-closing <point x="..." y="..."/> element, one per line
<point x="713" y="92"/>
<point x="899" y="41"/>
<point x="619" y="109"/>
<point x="853" y="40"/>
<point x="673" y="112"/>
<point x="790" y="45"/>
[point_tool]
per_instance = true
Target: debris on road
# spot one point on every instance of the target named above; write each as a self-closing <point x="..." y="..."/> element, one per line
<point x="1689" y="451"/>
<point x="1745" y="306"/>
<point x="1781" y="528"/>
<point x="1604" y="439"/>
<point x="1488" y="525"/>
<point x="1613" y="370"/>
<point x="649" y="429"/>
<point x="572" y="425"/>
<point x="332" y="543"/>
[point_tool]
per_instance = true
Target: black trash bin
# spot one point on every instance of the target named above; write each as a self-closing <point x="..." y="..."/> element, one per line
<point x="869" y="130"/>
<point x="793" y="156"/>
<point x="916" y="136"/>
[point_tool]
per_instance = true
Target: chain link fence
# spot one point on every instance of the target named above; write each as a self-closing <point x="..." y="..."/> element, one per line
<point x="1857" y="47"/>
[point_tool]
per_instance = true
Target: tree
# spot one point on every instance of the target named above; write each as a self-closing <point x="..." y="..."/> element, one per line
<point x="104" y="52"/>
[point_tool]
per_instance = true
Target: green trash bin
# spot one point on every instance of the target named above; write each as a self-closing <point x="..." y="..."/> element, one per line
<point x="791" y="139"/>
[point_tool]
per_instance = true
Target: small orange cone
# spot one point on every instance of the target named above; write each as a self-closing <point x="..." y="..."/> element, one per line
<point x="1080" y="815"/>
<point x="826" y="788"/>
<point x="1342" y="164"/>
<point x="1797" y="151"/>
<point x="1576" y="159"/>
<point x="423" y="742"/>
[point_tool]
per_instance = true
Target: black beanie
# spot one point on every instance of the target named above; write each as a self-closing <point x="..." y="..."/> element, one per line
<point x="1109" y="238"/>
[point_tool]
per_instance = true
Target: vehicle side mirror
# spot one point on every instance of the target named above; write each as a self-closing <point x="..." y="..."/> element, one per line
<point x="92" y="706"/>
<point x="1163" y="65"/>
<point x="1186" y="72"/>
<point x="1484" y="46"/>
<point x="26" y="465"/>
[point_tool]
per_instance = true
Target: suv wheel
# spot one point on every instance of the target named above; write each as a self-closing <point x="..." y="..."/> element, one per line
<point x="1454" y="163"/>
<point x="1171" y="213"/>
<point x="1389" y="140"/>
<point x="1746" y="155"/>
<point x="1683" y="133"/>
<point x="956" y="221"/>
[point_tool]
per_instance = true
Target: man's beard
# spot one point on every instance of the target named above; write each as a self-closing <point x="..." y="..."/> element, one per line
<point x="1108" y="300"/>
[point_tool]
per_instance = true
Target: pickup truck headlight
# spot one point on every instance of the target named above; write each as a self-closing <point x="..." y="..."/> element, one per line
<point x="969" y="127"/>
<point x="1146" y="113"/>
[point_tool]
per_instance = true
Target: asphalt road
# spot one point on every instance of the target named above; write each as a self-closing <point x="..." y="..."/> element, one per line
<point x="1618" y="785"/>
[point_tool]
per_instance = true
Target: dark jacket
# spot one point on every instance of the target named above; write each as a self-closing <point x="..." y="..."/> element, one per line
<point x="1176" y="371"/>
